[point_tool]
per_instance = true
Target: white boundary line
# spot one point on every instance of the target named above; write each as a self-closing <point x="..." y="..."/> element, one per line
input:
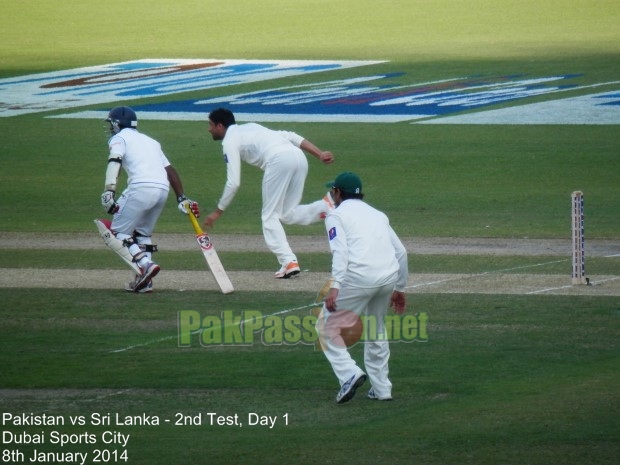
<point x="161" y="339"/>
<point x="154" y="341"/>
<point x="593" y="283"/>
<point x="485" y="273"/>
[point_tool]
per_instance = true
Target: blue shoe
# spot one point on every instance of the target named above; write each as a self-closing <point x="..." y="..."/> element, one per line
<point x="347" y="391"/>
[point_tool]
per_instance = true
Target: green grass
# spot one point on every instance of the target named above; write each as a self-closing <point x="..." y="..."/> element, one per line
<point x="499" y="379"/>
<point x="502" y="378"/>
<point x="75" y="33"/>
<point x="433" y="181"/>
<point x="263" y="261"/>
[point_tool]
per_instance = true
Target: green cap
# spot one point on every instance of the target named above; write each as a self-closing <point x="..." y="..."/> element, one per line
<point x="347" y="182"/>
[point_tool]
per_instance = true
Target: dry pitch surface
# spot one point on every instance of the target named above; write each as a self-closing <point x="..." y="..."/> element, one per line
<point x="519" y="281"/>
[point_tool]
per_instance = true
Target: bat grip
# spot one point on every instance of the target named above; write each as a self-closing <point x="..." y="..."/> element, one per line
<point x="194" y="221"/>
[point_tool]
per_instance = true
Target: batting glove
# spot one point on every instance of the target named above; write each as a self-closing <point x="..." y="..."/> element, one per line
<point x="108" y="202"/>
<point x="186" y="205"/>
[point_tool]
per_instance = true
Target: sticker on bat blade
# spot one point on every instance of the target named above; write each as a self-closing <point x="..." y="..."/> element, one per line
<point x="204" y="241"/>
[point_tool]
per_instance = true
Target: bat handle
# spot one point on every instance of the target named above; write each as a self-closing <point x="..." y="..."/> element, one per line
<point x="194" y="221"/>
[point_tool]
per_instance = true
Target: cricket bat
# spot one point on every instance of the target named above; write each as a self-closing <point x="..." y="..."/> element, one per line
<point x="213" y="261"/>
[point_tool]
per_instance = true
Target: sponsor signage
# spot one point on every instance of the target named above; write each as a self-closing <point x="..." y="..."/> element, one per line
<point x="371" y="98"/>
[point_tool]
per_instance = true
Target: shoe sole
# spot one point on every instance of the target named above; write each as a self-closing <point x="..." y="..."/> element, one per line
<point x="146" y="278"/>
<point x="349" y="395"/>
<point x="144" y="290"/>
<point x="289" y="274"/>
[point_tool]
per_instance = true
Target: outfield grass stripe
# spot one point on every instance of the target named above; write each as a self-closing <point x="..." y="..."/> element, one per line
<point x="512" y="284"/>
<point x="166" y="280"/>
<point x="505" y="270"/>
<point x="318" y="244"/>
<point x="492" y="282"/>
<point x="167" y="338"/>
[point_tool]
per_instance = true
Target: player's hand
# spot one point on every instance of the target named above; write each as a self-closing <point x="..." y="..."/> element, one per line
<point x="108" y="202"/>
<point x="186" y="205"/>
<point x="327" y="157"/>
<point x="398" y="302"/>
<point x="193" y="206"/>
<point x="330" y="300"/>
<point x="212" y="218"/>
<point x="320" y="297"/>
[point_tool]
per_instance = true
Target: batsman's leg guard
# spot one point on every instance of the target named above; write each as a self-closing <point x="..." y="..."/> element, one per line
<point x="141" y="249"/>
<point x="115" y="244"/>
<point x="139" y="253"/>
<point x="132" y="286"/>
<point x="145" y="244"/>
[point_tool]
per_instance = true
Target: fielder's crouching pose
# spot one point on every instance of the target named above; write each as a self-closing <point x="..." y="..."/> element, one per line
<point x="149" y="176"/>
<point x="370" y="271"/>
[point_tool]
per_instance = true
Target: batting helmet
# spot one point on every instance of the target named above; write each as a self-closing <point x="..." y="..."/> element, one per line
<point x="122" y="117"/>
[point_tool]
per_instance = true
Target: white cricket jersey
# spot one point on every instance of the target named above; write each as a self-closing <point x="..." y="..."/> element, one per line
<point x="141" y="157"/>
<point x="255" y="145"/>
<point x="365" y="250"/>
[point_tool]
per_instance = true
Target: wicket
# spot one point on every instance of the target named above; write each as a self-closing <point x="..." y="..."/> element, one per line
<point x="579" y="252"/>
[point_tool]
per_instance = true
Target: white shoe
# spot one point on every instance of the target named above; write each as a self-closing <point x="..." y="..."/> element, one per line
<point x="373" y="396"/>
<point x="287" y="271"/>
<point x="149" y="271"/>
<point x="347" y="391"/>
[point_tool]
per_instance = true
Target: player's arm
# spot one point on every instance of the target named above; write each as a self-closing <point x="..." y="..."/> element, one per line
<point x="115" y="160"/>
<point x="324" y="156"/>
<point x="177" y="186"/>
<point x="398" y="299"/>
<point x="307" y="146"/>
<point x="232" y="157"/>
<point x="338" y="246"/>
<point x="403" y="264"/>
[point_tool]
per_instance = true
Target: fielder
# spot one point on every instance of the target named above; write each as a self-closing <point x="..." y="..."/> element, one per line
<point x="149" y="175"/>
<point x="280" y="154"/>
<point x="370" y="271"/>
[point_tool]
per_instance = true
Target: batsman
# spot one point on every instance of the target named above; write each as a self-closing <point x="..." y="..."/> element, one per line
<point x="136" y="211"/>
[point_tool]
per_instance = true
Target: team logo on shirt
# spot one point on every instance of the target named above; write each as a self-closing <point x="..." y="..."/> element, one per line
<point x="332" y="233"/>
<point x="225" y="158"/>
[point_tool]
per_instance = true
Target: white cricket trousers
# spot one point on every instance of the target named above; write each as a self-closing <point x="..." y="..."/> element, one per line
<point x="282" y="190"/>
<point x="139" y="210"/>
<point x="371" y="305"/>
